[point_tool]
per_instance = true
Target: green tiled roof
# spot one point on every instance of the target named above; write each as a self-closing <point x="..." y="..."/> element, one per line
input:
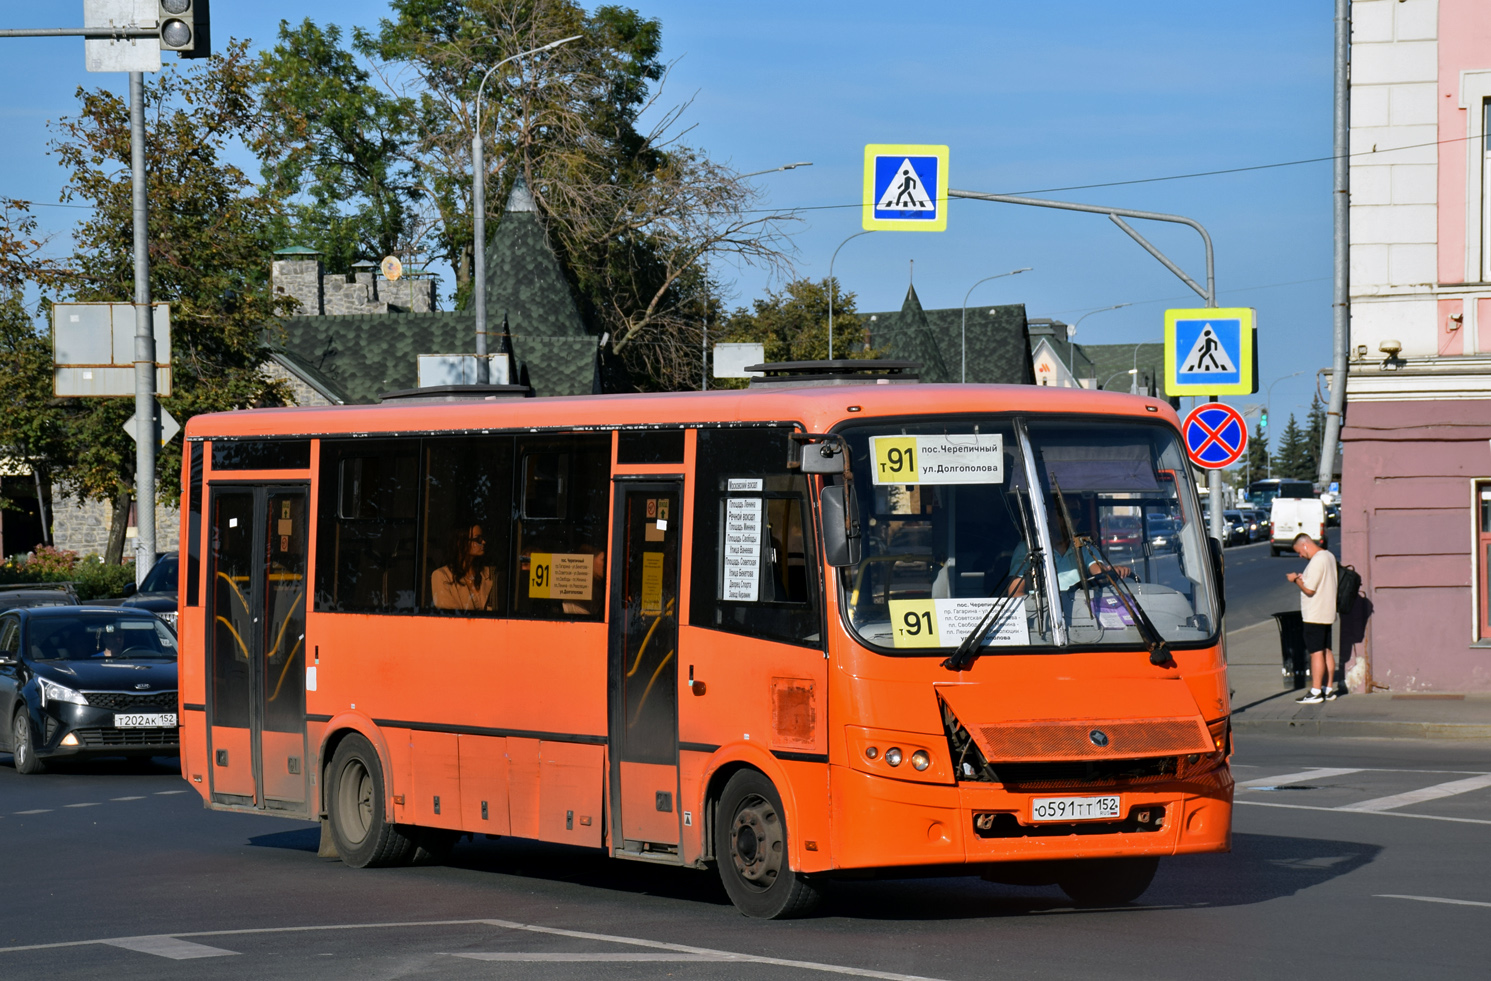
<point x="1111" y="364"/>
<point x="998" y="344"/>
<point x="525" y="282"/>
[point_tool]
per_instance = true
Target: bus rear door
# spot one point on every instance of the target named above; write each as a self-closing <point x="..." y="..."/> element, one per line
<point x="256" y="645"/>
<point x="644" y="668"/>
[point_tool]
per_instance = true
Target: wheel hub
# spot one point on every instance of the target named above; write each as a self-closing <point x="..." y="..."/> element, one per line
<point x="757" y="842"/>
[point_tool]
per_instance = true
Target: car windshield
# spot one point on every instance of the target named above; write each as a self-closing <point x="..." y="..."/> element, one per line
<point x="101" y="636"/>
<point x="951" y="528"/>
<point x="162" y="576"/>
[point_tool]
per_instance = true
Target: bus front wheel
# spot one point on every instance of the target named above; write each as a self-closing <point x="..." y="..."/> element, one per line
<point x="355" y="799"/>
<point x="1106" y="881"/>
<point x="750" y="847"/>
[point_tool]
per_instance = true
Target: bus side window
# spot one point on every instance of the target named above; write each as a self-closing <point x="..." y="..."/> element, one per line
<point x="560" y="529"/>
<point x="753" y="567"/>
<point x="467" y="527"/>
<point x="369" y="507"/>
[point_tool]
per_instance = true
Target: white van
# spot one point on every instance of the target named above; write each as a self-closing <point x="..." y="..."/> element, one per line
<point x="1292" y="515"/>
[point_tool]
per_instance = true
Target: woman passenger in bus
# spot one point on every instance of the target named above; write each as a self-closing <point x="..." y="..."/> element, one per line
<point x="465" y="582"/>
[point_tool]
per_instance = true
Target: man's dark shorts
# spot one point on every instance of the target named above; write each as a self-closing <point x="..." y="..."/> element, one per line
<point x="1317" y="637"/>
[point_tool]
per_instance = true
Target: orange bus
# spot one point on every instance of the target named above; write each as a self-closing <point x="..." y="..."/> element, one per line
<point x="823" y="625"/>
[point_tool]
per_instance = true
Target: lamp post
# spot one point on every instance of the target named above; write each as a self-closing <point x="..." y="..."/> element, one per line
<point x="704" y="342"/>
<point x="831" y="289"/>
<point x="964" y="356"/>
<point x="1071" y="334"/>
<point x="1268" y="404"/>
<point x="479" y="213"/>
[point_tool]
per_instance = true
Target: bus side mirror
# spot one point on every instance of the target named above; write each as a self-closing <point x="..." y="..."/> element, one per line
<point x="1217" y="569"/>
<point x="840" y="525"/>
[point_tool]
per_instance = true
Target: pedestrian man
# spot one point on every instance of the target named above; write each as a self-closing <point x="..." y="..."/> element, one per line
<point x="1317" y="605"/>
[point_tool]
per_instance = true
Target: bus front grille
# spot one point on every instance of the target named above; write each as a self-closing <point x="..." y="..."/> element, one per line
<point x="1083" y="774"/>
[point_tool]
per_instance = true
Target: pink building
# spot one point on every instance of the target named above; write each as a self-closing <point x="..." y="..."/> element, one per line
<point x="1416" y="481"/>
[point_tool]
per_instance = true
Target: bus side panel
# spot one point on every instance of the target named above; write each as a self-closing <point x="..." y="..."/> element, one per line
<point x="435" y="774"/>
<point x="236" y="775"/>
<point x="484" y="782"/>
<point x="571" y="798"/>
<point x="523" y="786"/>
<point x="194" y="750"/>
<point x="192" y="690"/>
<point x="771" y="694"/>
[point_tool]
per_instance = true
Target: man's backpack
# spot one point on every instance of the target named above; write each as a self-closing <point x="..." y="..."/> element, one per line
<point x="1348" y="584"/>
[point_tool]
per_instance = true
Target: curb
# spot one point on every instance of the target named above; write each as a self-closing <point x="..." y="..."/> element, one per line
<point x="1363" y="727"/>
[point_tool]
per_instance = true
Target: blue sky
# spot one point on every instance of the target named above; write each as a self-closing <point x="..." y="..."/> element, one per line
<point x="1029" y="97"/>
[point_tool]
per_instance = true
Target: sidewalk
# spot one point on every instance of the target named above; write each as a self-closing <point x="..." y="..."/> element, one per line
<point x="1261" y="704"/>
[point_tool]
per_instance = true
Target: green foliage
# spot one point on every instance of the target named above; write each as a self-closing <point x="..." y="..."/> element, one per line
<point x="1257" y="467"/>
<point x="339" y="147"/>
<point x="1293" y="459"/>
<point x="209" y="239"/>
<point x="1314" y="436"/>
<point x="92" y="578"/>
<point x="792" y="324"/>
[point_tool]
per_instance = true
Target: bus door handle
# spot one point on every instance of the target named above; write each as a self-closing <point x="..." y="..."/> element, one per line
<point x="697" y="687"/>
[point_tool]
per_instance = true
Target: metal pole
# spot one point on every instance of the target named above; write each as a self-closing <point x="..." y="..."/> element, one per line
<point x="1341" y="300"/>
<point x="1012" y="272"/>
<point x="1071" y="335"/>
<point x="145" y="430"/>
<point x="832" y="290"/>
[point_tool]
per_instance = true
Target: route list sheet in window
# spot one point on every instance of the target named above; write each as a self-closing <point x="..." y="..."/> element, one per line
<point x="742" y="549"/>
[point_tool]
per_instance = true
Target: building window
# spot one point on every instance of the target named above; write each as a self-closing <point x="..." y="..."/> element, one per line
<point x="1483" y="560"/>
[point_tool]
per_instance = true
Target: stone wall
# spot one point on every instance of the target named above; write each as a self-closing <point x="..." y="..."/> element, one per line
<point x="300" y="279"/>
<point x="299" y="390"/>
<point x="364" y="292"/>
<point x="83" y="526"/>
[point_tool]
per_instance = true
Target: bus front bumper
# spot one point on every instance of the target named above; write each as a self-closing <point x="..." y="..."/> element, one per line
<point x="882" y="822"/>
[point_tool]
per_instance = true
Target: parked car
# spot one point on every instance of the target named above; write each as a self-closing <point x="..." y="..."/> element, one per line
<point x="31" y="594"/>
<point x="1236" y="528"/>
<point x="1122" y="534"/>
<point x="158" y="592"/>
<point x="79" y="681"/>
<point x="1293" y="516"/>
<point x="1163" y="532"/>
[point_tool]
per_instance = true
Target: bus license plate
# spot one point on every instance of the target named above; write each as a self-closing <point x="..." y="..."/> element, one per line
<point x="159" y="720"/>
<point x="1075" y="808"/>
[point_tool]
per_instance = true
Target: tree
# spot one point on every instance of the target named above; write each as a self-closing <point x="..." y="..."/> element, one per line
<point x="1257" y="457"/>
<point x="1292" y="459"/>
<point x="792" y="324"/>
<point x="1314" y="436"/>
<point x="338" y="146"/>
<point x="208" y="238"/>
<point x="634" y="214"/>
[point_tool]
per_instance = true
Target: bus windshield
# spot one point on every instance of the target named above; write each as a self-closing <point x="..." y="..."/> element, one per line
<point x="953" y="527"/>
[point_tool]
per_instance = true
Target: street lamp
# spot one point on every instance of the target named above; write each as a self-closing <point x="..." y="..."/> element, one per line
<point x="479" y="213"/>
<point x="831" y="289"/>
<point x="704" y="343"/>
<point x="1268" y="404"/>
<point x="964" y="367"/>
<point x="1071" y="334"/>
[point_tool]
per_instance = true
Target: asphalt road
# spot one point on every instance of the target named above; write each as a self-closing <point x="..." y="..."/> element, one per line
<point x="1352" y="859"/>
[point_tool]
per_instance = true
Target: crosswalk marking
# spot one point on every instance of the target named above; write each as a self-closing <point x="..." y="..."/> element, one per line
<point x="126" y="798"/>
<point x="176" y="950"/>
<point x="38" y="810"/>
<point x="1303" y="776"/>
<point x="89" y="804"/>
<point x="1338" y="810"/>
<point x="1435" y="792"/>
<point x="1432" y="899"/>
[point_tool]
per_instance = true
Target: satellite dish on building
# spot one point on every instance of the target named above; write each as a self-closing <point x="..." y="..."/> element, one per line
<point x="392" y="268"/>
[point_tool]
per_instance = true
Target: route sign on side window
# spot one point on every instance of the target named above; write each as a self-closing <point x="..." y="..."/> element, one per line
<point x="905" y="187"/>
<point x="1211" y="351"/>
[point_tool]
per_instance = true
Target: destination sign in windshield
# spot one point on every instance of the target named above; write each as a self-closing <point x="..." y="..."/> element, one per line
<point x="963" y="458"/>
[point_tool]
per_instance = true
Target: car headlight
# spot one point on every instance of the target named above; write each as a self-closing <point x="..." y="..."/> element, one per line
<point x="53" y="692"/>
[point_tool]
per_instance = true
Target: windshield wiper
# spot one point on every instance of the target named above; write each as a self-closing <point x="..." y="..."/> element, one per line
<point x="1159" y="651"/>
<point x="969" y="648"/>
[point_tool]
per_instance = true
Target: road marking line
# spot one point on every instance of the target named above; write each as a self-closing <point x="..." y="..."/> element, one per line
<point x="167" y="793"/>
<point x="1423" y="794"/>
<point x="91" y="804"/>
<point x="176" y="950"/>
<point x="1431" y="899"/>
<point x="39" y="810"/>
<point x="507" y="925"/>
<point x="1317" y="773"/>
<point x="126" y="798"/>
<point x="713" y="954"/>
<point x="587" y="958"/>
<point x="1340" y="810"/>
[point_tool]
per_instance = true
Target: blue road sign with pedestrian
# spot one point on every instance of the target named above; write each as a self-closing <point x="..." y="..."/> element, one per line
<point x="1209" y="351"/>
<point x="905" y="187"/>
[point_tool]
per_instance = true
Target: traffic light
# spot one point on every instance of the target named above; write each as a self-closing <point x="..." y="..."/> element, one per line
<point x="184" y="28"/>
<point x="1262" y="422"/>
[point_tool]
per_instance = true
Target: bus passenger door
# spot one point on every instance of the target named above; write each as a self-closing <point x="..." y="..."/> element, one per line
<point x="644" y="667"/>
<point x="256" y="646"/>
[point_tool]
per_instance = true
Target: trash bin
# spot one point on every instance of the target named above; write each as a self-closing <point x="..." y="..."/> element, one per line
<point x="1296" y="661"/>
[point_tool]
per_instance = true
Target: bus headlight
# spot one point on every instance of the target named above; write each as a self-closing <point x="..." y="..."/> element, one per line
<point x="920" y="760"/>
<point x="893" y="756"/>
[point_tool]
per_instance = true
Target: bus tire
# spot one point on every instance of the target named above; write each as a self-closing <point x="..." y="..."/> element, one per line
<point x="23" y="743"/>
<point x="355" y="804"/>
<point x="1107" y="881"/>
<point x="750" y="847"/>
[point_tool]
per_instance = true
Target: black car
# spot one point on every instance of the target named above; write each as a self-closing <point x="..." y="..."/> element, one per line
<point x="1235" y="527"/>
<point x="22" y="595"/>
<point x="158" y="592"/>
<point x="79" y="681"/>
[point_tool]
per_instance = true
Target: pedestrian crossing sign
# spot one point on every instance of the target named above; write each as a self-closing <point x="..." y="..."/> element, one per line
<point x="1211" y="351"/>
<point x="905" y="187"/>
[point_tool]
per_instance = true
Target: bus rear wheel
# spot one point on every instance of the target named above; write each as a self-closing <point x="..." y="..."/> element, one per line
<point x="750" y="847"/>
<point x="1106" y="881"/>
<point x="356" y="801"/>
